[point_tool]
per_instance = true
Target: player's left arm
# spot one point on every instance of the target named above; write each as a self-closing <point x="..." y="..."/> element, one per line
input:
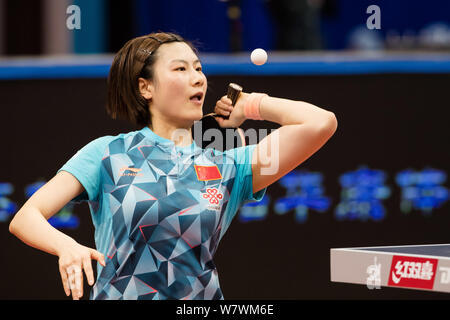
<point x="305" y="128"/>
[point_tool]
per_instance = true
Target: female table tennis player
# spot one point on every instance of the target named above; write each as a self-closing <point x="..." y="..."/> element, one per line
<point x="159" y="203"/>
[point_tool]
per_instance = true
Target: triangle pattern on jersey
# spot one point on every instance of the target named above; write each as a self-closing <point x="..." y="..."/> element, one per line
<point x="147" y="231"/>
<point x="140" y="212"/>
<point x="141" y="194"/>
<point x="133" y="143"/>
<point x="171" y="225"/>
<point x="193" y="234"/>
<point x="121" y="283"/>
<point x="166" y="209"/>
<point x="142" y="288"/>
<point x="114" y="205"/>
<point x="146" y="262"/>
<point x="186" y="220"/>
<point x="164" y="247"/>
<point x="130" y="291"/>
<point x="180" y="248"/>
<point x="156" y="191"/>
<point x="147" y="150"/>
<point x="120" y="192"/>
<point x="183" y="199"/>
<point x="113" y="293"/>
<point x="170" y="274"/>
<point x="106" y="163"/>
<point x="146" y="217"/>
<point x="116" y="146"/>
<point x="163" y="166"/>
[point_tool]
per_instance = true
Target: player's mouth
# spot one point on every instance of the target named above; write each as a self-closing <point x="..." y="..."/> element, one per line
<point x="197" y="98"/>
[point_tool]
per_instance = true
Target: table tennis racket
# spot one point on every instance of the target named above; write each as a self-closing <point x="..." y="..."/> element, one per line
<point x="231" y="137"/>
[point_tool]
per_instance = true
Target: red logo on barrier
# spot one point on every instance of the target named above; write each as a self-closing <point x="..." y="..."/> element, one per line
<point x="412" y="272"/>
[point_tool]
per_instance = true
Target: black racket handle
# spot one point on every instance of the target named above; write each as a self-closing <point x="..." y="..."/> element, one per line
<point x="234" y="90"/>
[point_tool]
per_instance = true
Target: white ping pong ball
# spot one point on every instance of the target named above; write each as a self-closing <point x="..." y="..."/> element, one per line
<point x="258" y="56"/>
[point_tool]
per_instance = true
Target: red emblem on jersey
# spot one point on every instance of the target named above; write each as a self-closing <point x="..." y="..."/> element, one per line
<point x="213" y="195"/>
<point x="205" y="173"/>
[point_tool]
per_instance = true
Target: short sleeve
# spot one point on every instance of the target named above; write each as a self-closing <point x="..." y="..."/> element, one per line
<point x="242" y="190"/>
<point x="85" y="167"/>
<point x="244" y="176"/>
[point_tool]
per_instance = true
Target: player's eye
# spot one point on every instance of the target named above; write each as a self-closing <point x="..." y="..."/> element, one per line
<point x="180" y="68"/>
<point x="199" y="69"/>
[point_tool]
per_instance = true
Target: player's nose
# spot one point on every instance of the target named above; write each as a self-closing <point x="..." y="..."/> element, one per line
<point x="198" y="79"/>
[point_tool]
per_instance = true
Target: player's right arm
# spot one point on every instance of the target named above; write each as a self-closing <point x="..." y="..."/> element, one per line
<point x="31" y="226"/>
<point x="305" y="128"/>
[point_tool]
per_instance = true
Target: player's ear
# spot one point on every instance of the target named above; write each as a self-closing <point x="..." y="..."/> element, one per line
<point x="145" y="88"/>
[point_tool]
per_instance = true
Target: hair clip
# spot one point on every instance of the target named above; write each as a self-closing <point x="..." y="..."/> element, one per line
<point x="147" y="51"/>
<point x="149" y="54"/>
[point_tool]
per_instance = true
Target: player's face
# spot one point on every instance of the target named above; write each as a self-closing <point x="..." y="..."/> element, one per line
<point x="179" y="85"/>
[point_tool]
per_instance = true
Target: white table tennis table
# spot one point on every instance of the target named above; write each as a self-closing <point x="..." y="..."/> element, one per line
<point x="420" y="267"/>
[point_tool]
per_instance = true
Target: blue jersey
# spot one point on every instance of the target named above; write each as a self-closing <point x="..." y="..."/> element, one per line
<point x="159" y="212"/>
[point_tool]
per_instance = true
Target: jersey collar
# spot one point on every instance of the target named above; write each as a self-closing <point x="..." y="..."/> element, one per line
<point x="166" y="142"/>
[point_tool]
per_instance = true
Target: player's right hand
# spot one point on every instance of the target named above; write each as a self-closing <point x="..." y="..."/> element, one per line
<point x="73" y="259"/>
<point x="236" y="114"/>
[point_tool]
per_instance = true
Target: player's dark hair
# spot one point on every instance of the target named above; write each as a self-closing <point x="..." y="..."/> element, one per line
<point x="136" y="59"/>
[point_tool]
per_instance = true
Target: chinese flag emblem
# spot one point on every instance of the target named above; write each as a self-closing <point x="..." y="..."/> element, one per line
<point x="205" y="173"/>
